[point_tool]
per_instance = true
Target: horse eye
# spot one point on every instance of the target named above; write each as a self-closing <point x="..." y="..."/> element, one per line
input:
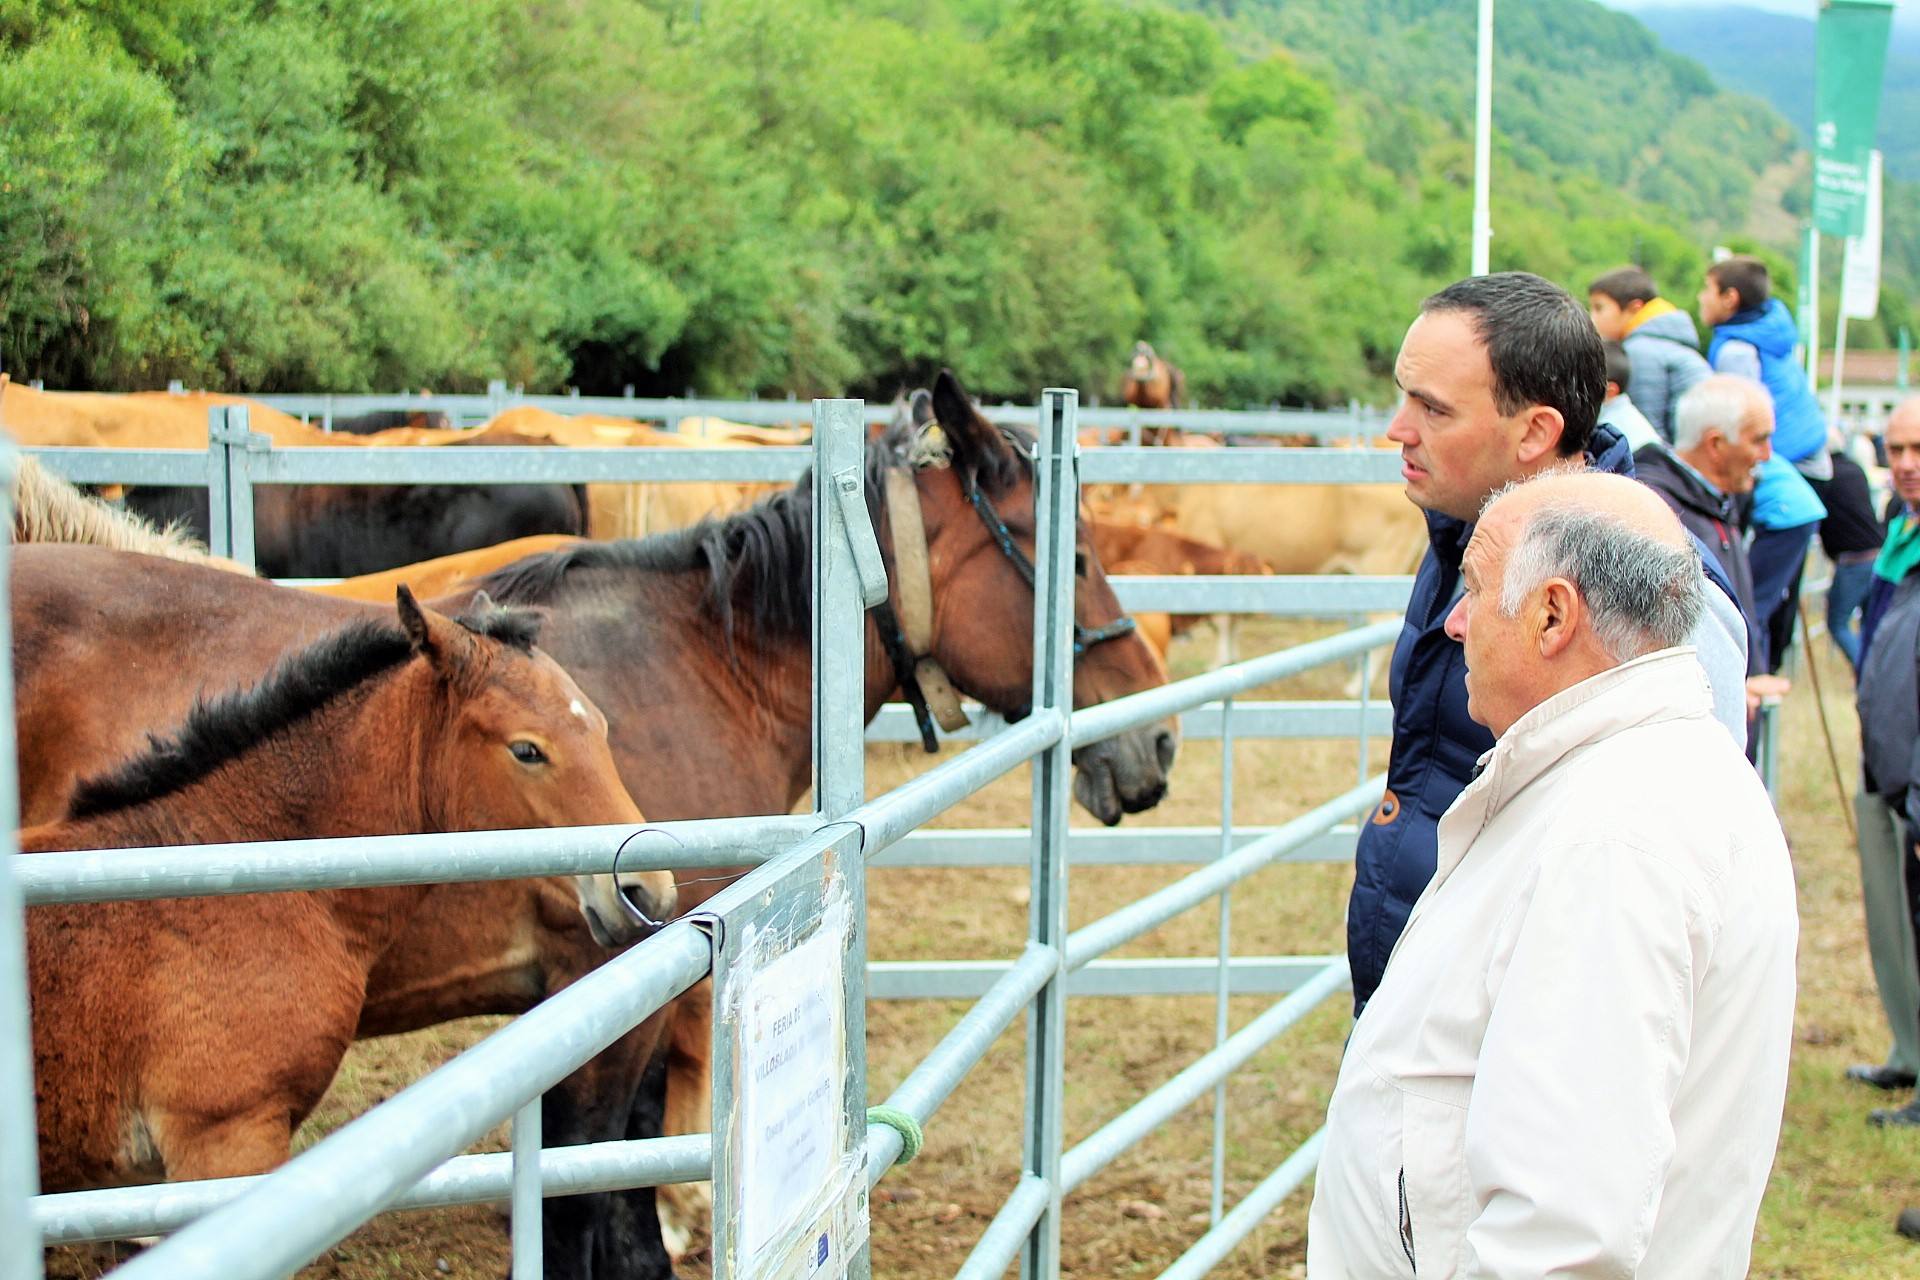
<point x="526" y="752"/>
<point x="1079" y="564"/>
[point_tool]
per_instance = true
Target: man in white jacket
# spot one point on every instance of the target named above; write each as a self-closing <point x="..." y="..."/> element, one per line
<point x="1576" y="1062"/>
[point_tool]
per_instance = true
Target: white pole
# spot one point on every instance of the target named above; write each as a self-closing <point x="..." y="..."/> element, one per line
<point x="1483" y="144"/>
<point x="1840" y="338"/>
<point x="1813" y="303"/>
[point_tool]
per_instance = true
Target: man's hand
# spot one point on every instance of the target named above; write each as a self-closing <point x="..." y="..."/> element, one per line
<point x="1765" y="689"/>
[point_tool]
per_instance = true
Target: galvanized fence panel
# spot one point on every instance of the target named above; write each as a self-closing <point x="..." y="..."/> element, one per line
<point x="1039" y="981"/>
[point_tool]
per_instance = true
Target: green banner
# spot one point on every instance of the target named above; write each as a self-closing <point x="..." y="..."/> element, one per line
<point x="1852" y="57"/>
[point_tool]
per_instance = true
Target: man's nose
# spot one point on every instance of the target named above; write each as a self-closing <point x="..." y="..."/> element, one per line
<point x="1456" y="624"/>
<point x="1400" y="429"/>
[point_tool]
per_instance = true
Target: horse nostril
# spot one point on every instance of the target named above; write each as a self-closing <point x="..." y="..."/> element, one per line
<point x="1164" y="746"/>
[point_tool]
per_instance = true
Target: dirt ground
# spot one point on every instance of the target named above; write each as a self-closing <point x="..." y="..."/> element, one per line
<point x="1836" y="1187"/>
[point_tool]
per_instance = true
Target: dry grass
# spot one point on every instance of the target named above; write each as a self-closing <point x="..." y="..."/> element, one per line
<point x="1836" y="1187"/>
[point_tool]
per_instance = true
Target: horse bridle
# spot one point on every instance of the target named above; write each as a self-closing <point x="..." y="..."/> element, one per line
<point x="927" y="687"/>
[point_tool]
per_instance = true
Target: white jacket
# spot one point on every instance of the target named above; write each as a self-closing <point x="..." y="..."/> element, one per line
<point x="1577" y="1060"/>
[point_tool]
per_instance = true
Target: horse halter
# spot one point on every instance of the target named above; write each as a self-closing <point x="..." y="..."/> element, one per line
<point x="928" y="690"/>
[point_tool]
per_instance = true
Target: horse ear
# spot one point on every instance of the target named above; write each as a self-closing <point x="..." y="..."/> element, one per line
<point x="970" y="436"/>
<point x="920" y="407"/>
<point x="438" y="638"/>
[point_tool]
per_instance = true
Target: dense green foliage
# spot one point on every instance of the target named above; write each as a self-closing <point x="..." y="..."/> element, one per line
<point x="795" y="195"/>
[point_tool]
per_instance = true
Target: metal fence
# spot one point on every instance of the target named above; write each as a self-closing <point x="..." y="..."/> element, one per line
<point x="804" y="906"/>
<point x="1353" y="422"/>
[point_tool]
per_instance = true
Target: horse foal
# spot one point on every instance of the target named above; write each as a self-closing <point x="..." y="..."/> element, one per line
<point x="188" y="1038"/>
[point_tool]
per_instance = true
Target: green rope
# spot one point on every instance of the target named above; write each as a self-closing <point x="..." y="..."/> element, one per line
<point x="911" y="1136"/>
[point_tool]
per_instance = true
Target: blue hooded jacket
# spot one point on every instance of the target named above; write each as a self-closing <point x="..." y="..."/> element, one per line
<point x="1435" y="743"/>
<point x="1799" y="429"/>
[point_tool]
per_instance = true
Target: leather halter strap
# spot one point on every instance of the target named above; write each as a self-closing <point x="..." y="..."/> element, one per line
<point x="908" y="636"/>
<point x="914" y="574"/>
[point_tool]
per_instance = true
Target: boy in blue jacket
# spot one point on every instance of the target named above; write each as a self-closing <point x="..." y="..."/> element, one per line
<point x="1754" y="336"/>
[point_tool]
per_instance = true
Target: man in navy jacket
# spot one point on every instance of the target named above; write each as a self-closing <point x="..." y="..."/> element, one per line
<point x="1502" y="377"/>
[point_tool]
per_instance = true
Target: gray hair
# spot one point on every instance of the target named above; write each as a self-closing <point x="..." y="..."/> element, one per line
<point x="1643" y="594"/>
<point x="1720" y="403"/>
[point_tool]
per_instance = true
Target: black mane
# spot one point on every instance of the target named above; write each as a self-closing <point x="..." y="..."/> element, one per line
<point x="224" y="727"/>
<point x="759" y="560"/>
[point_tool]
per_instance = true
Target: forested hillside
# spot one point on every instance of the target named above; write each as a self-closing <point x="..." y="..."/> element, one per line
<point x="1770" y="55"/>
<point x="802" y="196"/>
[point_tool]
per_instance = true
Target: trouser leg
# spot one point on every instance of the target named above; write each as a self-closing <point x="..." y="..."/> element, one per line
<point x="1887" y="880"/>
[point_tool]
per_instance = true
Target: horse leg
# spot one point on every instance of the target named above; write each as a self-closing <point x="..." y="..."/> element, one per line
<point x="689" y="1102"/>
<point x="634" y="1241"/>
<point x="603" y="1235"/>
<point x="197" y="1146"/>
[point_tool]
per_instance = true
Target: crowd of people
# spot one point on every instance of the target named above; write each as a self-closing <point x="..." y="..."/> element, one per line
<point x="1572" y="929"/>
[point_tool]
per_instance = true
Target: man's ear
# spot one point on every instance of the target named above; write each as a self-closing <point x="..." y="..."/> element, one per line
<point x="1632" y="308"/>
<point x="1540" y="434"/>
<point x="1558" y="617"/>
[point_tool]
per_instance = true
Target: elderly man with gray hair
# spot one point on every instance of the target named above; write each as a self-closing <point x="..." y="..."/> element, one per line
<point x="1577" y="1059"/>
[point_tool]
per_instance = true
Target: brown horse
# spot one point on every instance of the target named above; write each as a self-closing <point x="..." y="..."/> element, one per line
<point x="188" y="1038"/>
<point x="697" y="645"/>
<point x="1153" y="383"/>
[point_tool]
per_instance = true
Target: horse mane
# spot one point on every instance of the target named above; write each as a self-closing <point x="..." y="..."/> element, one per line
<point x="758" y="561"/>
<point x="224" y="727"/>
<point x="48" y="509"/>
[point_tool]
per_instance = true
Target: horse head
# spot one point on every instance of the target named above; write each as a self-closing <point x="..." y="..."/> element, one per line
<point x="518" y="745"/>
<point x="1144" y="365"/>
<point x="973" y="486"/>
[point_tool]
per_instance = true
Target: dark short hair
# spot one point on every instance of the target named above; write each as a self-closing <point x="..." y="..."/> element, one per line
<point x="1746" y="277"/>
<point x="1624" y="285"/>
<point x="1619" y="367"/>
<point x="1541" y="344"/>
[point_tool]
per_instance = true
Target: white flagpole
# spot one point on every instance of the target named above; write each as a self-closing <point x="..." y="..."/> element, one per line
<point x="1483" y="144"/>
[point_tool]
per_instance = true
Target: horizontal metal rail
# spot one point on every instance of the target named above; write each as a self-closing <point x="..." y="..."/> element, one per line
<point x="120" y="1213"/>
<point x="1240" y="466"/>
<point x="1159" y="976"/>
<point x="1129" y="922"/>
<point x="1087" y="847"/>
<point x="359" y="862"/>
<point x="508" y="464"/>
<point x="1351" y="420"/>
<point x="1137" y="709"/>
<point x="360" y="1169"/>
<point x="1211" y="1249"/>
<point x="1276" y="595"/>
<point x="919" y="800"/>
<point x="125" y="466"/>
<point x="1008" y="1231"/>
<point x="1105" y="1144"/>
<point x="940" y="1072"/>
<point x="434" y="464"/>
<point x="1270" y="719"/>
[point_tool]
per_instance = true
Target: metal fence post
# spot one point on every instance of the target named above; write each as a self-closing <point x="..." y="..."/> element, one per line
<point x="1223" y="989"/>
<point x="19" y="1153"/>
<point x="1056" y="507"/>
<point x="219" y="524"/>
<point x="848" y="577"/>
<point x="230" y="483"/>
<point x="528" y="1263"/>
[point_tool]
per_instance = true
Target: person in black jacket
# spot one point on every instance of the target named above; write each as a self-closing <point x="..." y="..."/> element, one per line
<point x="1851" y="535"/>
<point x="1723" y="430"/>
<point x="1503" y="377"/>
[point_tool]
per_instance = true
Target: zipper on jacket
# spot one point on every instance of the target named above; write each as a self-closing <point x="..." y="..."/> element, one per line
<point x="1406" y="1222"/>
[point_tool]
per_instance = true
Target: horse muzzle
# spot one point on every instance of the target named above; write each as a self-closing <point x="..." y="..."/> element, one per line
<point x="1126" y="773"/>
<point x="624" y="908"/>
